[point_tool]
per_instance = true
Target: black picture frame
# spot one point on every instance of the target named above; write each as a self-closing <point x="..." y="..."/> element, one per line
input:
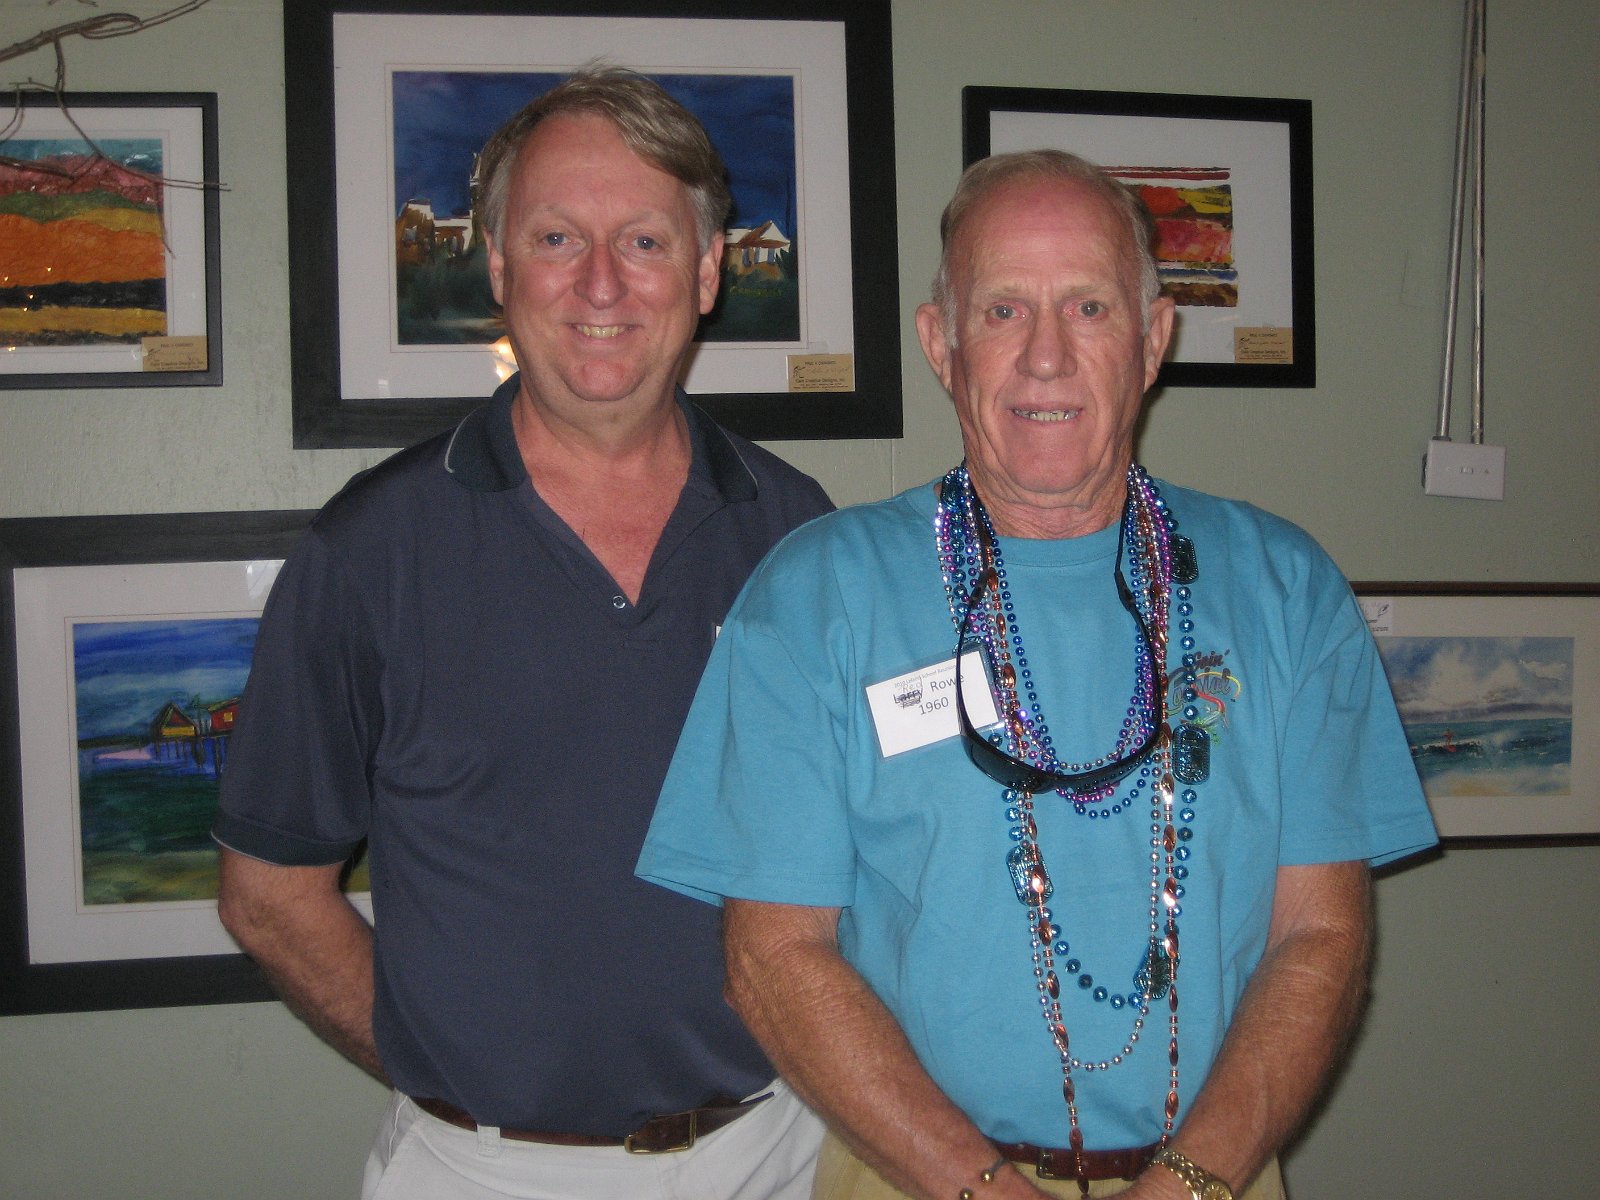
<point x="1097" y="124"/>
<point x="1487" y="814"/>
<point x="325" y="417"/>
<point x="117" y="114"/>
<point x="113" y="983"/>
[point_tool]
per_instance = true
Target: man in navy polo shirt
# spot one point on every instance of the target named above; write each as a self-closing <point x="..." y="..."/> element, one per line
<point x="477" y="661"/>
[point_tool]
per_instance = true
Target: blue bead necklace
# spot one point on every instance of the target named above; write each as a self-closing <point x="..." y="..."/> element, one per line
<point x="1162" y="565"/>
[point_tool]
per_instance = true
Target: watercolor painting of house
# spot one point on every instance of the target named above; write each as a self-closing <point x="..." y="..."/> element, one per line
<point x="441" y="120"/>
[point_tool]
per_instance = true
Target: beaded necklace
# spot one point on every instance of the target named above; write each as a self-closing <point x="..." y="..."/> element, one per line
<point x="1158" y="560"/>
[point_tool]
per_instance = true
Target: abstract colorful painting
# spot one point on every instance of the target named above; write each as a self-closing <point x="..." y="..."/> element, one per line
<point x="1485" y="716"/>
<point x="110" y="241"/>
<point x="1227" y="181"/>
<point x="154" y="704"/>
<point x="443" y="118"/>
<point x="1192" y="211"/>
<point x="81" y="255"/>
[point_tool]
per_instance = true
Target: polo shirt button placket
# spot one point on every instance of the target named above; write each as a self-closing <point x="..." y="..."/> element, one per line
<point x="619" y="602"/>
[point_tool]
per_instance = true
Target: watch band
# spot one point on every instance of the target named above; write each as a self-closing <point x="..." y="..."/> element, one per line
<point x="1202" y="1184"/>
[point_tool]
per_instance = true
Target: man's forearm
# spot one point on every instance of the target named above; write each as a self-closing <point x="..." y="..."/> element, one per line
<point x="831" y="1037"/>
<point x="1296" y="1015"/>
<point x="313" y="946"/>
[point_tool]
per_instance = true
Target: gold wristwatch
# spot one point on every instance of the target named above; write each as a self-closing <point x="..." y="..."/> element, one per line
<point x="1202" y="1184"/>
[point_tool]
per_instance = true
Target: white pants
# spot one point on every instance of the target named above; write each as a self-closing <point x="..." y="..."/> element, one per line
<point x="770" y="1153"/>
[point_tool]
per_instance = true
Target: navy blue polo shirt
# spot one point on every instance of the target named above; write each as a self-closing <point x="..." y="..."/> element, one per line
<point x="445" y="671"/>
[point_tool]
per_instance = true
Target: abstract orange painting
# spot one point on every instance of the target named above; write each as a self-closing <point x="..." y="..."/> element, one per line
<point x="109" y="241"/>
<point x="81" y="255"/>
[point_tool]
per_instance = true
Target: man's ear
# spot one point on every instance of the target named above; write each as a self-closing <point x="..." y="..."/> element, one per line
<point x="710" y="274"/>
<point x="935" y="345"/>
<point x="497" y="270"/>
<point x="1163" y="313"/>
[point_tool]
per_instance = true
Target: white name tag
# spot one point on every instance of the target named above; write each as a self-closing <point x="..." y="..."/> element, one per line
<point x="919" y="707"/>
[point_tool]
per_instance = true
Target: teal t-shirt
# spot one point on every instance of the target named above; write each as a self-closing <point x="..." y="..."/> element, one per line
<point x="781" y="790"/>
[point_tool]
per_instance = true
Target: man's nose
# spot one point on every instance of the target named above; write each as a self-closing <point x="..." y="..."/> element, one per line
<point x="600" y="282"/>
<point x="1047" y="352"/>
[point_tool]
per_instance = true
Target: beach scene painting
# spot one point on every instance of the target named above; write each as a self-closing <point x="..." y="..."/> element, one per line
<point x="154" y="703"/>
<point x="1485" y="716"/>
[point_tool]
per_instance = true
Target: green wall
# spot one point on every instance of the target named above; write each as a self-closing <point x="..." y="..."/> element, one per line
<point x="1479" y="1053"/>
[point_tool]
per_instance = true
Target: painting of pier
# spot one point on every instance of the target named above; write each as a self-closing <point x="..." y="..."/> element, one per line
<point x="154" y="702"/>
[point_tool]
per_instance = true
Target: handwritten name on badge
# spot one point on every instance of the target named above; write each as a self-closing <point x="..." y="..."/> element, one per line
<point x="919" y="708"/>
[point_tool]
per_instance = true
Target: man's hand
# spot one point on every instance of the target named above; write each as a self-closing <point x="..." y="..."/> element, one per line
<point x="1291" y="1026"/>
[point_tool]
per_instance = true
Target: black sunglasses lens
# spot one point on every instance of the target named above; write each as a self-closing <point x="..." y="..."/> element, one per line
<point x="1012" y="772"/>
<point x="994" y="762"/>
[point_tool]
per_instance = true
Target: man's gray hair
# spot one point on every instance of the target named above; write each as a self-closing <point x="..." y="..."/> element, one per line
<point x="652" y="124"/>
<point x="988" y="175"/>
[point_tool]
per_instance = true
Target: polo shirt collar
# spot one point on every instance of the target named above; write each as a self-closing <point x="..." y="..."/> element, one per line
<point x="482" y="453"/>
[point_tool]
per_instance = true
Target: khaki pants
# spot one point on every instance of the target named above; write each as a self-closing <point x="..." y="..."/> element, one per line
<point x="843" y="1176"/>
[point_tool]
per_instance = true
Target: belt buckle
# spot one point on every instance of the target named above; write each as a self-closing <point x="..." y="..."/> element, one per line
<point x="1045" y="1168"/>
<point x="669" y="1134"/>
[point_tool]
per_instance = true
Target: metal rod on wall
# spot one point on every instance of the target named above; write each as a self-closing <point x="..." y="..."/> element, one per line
<point x="1478" y="65"/>
<point x="1471" y="97"/>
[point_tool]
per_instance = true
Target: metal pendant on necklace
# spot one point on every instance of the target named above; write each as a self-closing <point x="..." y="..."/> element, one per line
<point x="1185" y="566"/>
<point x="1154" y="975"/>
<point x="1028" y="875"/>
<point x="1191" y="753"/>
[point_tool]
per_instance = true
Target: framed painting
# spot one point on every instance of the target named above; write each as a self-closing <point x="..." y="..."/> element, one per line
<point x="394" y="332"/>
<point x="1498" y="687"/>
<point x="108" y="241"/>
<point x="1227" y="181"/>
<point x="126" y="645"/>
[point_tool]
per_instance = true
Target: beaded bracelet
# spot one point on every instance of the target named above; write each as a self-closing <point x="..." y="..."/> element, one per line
<point x="984" y="1176"/>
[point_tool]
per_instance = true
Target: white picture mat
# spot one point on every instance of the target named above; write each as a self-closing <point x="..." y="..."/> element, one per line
<point x="1516" y="617"/>
<point x="369" y="47"/>
<point x="1257" y="157"/>
<point x="180" y="132"/>
<point x="49" y="602"/>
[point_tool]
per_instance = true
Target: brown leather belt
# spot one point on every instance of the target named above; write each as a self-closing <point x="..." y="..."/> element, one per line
<point x="659" y="1135"/>
<point x="1052" y="1163"/>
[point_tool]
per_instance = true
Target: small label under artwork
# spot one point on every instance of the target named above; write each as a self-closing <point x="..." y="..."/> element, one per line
<point x="1263" y="344"/>
<point x="1379" y="612"/>
<point x="822" y="372"/>
<point x="186" y="353"/>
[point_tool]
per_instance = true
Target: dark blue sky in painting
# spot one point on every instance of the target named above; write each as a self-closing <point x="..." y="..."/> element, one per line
<point x="443" y="118"/>
<point x="124" y="671"/>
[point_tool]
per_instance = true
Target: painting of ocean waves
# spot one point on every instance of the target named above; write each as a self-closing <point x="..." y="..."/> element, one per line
<point x="1493" y="758"/>
<point x="1485" y="716"/>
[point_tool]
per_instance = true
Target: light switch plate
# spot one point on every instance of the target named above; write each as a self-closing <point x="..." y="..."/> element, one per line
<point x="1475" y="472"/>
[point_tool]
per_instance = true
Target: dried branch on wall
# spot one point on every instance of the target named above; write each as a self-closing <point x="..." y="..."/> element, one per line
<point x="95" y="28"/>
